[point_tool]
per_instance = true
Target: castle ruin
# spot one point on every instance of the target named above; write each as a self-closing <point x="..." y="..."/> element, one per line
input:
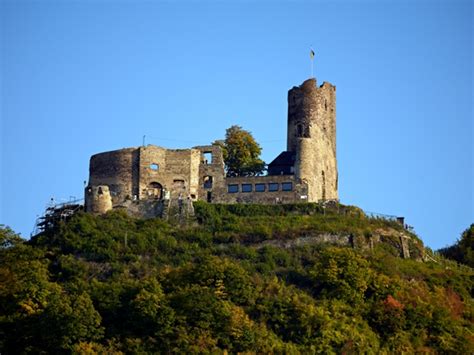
<point x="145" y="180"/>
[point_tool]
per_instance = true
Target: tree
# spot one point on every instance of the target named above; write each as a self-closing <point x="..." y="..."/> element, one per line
<point x="463" y="250"/>
<point x="241" y="153"/>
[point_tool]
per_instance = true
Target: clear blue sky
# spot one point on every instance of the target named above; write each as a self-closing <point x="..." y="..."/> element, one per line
<point x="82" y="77"/>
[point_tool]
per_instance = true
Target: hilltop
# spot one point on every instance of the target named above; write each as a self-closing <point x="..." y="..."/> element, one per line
<point x="297" y="278"/>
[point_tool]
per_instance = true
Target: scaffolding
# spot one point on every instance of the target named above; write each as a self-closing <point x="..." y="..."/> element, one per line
<point x="56" y="212"/>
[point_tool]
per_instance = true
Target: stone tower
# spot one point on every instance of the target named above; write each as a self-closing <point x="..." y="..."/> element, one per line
<point x="98" y="199"/>
<point x="312" y="136"/>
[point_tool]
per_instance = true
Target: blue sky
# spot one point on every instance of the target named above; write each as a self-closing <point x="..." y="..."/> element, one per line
<point x="82" y="77"/>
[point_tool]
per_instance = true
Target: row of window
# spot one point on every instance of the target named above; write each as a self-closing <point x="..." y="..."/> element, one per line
<point x="260" y="187"/>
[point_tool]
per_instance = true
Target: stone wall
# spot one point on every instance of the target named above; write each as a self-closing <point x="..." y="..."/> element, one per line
<point x="165" y="170"/>
<point x="211" y="173"/>
<point x="153" y="173"/>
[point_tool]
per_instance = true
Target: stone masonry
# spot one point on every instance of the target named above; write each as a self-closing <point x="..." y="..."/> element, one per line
<point x="145" y="180"/>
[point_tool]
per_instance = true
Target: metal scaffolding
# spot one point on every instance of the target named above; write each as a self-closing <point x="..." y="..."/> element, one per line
<point x="56" y="212"/>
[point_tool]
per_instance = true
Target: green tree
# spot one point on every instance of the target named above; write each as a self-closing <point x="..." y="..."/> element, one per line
<point x="241" y="153"/>
<point x="8" y="238"/>
<point x="463" y="250"/>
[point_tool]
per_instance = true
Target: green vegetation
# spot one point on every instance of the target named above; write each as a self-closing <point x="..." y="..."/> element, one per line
<point x="241" y="153"/>
<point x="463" y="250"/>
<point x="114" y="284"/>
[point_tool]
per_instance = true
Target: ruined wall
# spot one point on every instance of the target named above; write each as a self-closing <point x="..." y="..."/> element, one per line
<point x="153" y="173"/>
<point x="175" y="171"/>
<point x="211" y="175"/>
<point x="298" y="191"/>
<point x="312" y="135"/>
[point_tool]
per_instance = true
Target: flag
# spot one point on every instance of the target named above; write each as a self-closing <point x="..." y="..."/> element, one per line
<point x="311" y="54"/>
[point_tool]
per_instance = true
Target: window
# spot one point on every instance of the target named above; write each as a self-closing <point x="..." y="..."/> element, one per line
<point x="302" y="130"/>
<point x="287" y="186"/>
<point x="324" y="184"/>
<point x="246" y="187"/>
<point x="154" y="166"/>
<point x="233" y="188"/>
<point x="299" y="130"/>
<point x="207" y="182"/>
<point x="273" y="186"/>
<point x="260" y="187"/>
<point x="207" y="157"/>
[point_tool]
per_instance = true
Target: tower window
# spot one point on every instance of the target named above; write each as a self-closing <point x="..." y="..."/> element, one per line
<point x="302" y="130"/>
<point x="154" y="166"/>
<point x="299" y="130"/>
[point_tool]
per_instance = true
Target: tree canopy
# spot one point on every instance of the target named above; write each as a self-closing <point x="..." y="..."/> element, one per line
<point x="241" y="153"/>
<point x="463" y="250"/>
<point x="113" y="284"/>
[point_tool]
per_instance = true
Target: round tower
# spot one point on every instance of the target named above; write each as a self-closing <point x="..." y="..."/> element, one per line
<point x="312" y="136"/>
<point x="119" y="170"/>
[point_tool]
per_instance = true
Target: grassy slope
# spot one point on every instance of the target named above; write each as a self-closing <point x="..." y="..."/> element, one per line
<point x="149" y="286"/>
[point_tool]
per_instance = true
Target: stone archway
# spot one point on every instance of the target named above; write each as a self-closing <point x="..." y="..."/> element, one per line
<point x="155" y="190"/>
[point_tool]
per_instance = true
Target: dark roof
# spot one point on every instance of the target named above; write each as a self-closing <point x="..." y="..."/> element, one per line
<point x="284" y="159"/>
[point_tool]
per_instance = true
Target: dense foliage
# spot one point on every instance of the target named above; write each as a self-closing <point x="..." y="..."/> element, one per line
<point x="113" y="284"/>
<point x="463" y="250"/>
<point x="241" y="153"/>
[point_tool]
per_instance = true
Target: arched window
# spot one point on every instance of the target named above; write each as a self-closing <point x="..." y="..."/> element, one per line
<point x="207" y="182"/>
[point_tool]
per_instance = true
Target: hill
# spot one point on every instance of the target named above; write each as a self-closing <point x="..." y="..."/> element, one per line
<point x="246" y="278"/>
